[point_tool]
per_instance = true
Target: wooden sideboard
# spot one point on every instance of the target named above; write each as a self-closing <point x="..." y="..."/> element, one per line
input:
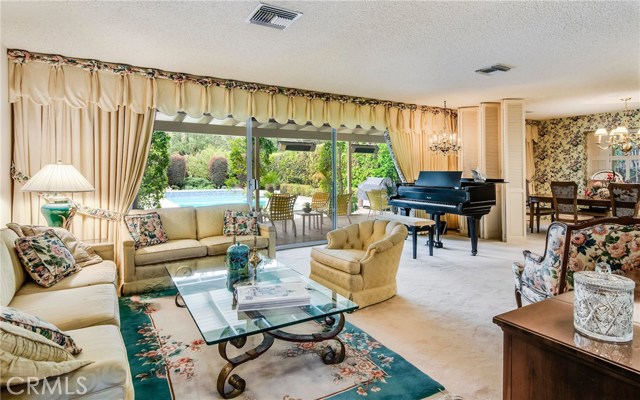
<point x="544" y="358"/>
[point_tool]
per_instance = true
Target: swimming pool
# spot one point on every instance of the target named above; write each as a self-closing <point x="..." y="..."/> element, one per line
<point x="208" y="197"/>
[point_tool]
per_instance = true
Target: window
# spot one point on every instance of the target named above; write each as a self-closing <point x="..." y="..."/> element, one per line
<point x="627" y="165"/>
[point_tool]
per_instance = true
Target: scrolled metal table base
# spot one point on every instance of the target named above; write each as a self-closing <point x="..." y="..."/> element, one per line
<point x="329" y="355"/>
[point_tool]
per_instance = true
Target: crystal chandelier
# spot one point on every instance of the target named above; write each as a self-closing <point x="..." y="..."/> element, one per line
<point x="620" y="137"/>
<point x="447" y="141"/>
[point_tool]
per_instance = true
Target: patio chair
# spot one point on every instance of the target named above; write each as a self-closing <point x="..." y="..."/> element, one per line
<point x="344" y="203"/>
<point x="320" y="201"/>
<point x="280" y="208"/>
<point x="378" y="201"/>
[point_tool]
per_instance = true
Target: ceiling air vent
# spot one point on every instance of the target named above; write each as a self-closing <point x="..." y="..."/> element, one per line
<point x="274" y="17"/>
<point x="296" y="146"/>
<point x="493" y="68"/>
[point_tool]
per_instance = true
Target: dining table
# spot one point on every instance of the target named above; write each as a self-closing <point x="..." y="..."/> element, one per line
<point x="590" y="201"/>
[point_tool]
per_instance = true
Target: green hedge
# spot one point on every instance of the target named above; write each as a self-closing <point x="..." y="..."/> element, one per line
<point x="299" y="189"/>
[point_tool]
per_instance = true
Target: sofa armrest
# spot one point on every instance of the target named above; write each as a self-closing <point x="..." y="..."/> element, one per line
<point x="127" y="256"/>
<point x="268" y="231"/>
<point x="105" y="250"/>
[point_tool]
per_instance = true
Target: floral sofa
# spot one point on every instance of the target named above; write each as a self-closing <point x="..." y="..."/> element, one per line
<point x="85" y="306"/>
<point x="195" y="236"/>
<point x="572" y="248"/>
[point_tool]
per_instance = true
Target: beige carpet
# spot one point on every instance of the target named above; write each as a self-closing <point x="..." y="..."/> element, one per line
<point x="441" y="319"/>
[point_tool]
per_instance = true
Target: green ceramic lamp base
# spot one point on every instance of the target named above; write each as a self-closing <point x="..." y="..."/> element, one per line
<point x="56" y="213"/>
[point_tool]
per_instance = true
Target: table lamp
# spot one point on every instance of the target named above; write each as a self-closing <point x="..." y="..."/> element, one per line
<point x="55" y="179"/>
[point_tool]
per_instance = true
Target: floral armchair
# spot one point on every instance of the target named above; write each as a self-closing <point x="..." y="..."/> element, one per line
<point x="572" y="248"/>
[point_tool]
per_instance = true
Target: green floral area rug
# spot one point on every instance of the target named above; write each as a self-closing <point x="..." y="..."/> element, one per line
<point x="170" y="360"/>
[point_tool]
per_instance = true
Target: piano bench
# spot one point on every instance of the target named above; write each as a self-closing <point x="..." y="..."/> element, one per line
<point x="414" y="225"/>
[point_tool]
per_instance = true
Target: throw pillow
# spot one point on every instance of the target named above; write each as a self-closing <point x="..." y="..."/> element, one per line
<point x="83" y="254"/>
<point x="239" y="223"/>
<point x="45" y="258"/>
<point x="34" y="324"/>
<point x="146" y="229"/>
<point x="22" y="342"/>
<point x="26" y="356"/>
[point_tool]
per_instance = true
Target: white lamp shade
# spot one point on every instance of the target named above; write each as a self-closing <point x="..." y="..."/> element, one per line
<point x="601" y="132"/>
<point x="621" y="130"/>
<point x="58" y="178"/>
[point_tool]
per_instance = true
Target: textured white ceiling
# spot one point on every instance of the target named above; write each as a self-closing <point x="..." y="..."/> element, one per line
<point x="569" y="58"/>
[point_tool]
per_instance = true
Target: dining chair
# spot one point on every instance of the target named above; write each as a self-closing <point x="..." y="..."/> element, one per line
<point x="280" y="208"/>
<point x="625" y="199"/>
<point x="538" y="211"/>
<point x="565" y="202"/>
<point x="378" y="201"/>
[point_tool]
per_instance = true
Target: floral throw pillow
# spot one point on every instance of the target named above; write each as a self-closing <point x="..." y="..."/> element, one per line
<point x="37" y="325"/>
<point x="45" y="258"/>
<point x="239" y="223"/>
<point x="146" y="229"/>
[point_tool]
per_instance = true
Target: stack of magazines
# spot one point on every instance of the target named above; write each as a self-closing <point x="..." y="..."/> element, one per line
<point x="272" y="295"/>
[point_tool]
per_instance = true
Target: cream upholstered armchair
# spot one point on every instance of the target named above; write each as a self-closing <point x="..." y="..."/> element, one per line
<point x="361" y="261"/>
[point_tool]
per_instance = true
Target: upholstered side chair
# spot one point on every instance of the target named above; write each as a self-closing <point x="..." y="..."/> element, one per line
<point x="361" y="260"/>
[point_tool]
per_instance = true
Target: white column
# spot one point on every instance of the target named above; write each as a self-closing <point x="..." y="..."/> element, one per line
<point x="491" y="166"/>
<point x="514" y="227"/>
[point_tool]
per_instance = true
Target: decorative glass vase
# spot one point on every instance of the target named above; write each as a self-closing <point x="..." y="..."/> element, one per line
<point x="237" y="262"/>
<point x="603" y="305"/>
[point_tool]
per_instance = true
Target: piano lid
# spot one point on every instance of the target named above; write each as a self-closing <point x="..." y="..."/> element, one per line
<point x="448" y="179"/>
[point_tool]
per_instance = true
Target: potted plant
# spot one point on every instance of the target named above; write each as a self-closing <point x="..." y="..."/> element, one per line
<point x="306" y="207"/>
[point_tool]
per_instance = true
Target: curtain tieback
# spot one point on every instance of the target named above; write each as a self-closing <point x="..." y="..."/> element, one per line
<point x="79" y="208"/>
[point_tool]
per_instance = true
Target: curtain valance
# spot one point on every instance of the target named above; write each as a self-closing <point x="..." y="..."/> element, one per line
<point x="46" y="78"/>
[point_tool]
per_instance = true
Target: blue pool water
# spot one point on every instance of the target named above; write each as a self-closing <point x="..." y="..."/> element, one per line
<point x="210" y="197"/>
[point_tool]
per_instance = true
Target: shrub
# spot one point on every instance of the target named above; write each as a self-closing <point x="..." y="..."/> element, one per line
<point x="192" y="183"/>
<point x="218" y="167"/>
<point x="177" y="170"/>
<point x="231" y="183"/>
<point x="300" y="190"/>
<point x="198" y="163"/>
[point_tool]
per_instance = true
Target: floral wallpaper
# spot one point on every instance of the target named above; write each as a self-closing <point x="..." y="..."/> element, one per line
<point x="561" y="150"/>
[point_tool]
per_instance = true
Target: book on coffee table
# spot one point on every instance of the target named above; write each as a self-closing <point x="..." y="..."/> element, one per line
<point x="273" y="295"/>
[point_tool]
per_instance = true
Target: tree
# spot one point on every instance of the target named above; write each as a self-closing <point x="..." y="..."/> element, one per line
<point x="237" y="160"/>
<point x="198" y="163"/>
<point x="218" y="167"/>
<point x="192" y="143"/>
<point x="155" y="181"/>
<point x="177" y="170"/>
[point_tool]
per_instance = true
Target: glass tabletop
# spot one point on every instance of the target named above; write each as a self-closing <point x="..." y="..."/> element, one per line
<point x="203" y="287"/>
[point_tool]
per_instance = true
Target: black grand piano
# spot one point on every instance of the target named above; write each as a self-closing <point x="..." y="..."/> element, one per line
<point x="446" y="192"/>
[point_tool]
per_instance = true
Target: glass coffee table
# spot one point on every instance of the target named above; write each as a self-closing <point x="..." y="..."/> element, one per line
<point x="202" y="289"/>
